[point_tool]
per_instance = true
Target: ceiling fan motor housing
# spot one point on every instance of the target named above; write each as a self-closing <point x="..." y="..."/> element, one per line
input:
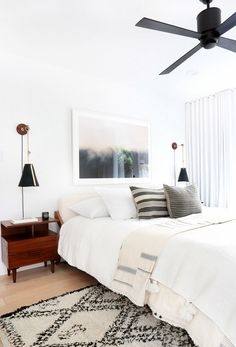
<point x="207" y="22"/>
<point x="206" y="2"/>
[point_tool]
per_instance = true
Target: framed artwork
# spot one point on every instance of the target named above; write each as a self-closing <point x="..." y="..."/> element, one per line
<point x="108" y="149"/>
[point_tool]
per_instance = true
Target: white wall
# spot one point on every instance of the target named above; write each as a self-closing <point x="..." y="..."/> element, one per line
<point x="42" y="97"/>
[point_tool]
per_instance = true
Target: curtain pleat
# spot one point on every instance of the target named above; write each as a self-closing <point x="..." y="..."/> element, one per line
<point x="209" y="146"/>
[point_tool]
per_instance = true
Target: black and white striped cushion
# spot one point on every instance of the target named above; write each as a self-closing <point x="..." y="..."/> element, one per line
<point x="182" y="201"/>
<point x="150" y="203"/>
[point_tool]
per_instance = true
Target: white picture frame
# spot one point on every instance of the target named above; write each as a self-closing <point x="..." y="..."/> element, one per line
<point x="77" y="180"/>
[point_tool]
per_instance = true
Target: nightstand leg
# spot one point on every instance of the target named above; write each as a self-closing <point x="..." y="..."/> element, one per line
<point x="14" y="275"/>
<point x="45" y="263"/>
<point x="58" y="260"/>
<point x="52" y="266"/>
<point x="8" y="272"/>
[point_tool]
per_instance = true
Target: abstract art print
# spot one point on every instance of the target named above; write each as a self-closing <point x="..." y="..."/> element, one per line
<point x="111" y="148"/>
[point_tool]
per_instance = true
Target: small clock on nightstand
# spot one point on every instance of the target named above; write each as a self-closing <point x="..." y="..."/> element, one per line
<point x="28" y="243"/>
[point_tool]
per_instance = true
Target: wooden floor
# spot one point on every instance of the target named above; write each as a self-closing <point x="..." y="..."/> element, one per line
<point x="40" y="284"/>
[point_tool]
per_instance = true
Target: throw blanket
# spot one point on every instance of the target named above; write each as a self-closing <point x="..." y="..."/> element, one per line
<point x="137" y="259"/>
<point x="140" y="252"/>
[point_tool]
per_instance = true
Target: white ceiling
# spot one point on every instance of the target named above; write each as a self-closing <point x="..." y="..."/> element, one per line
<point x="99" y="38"/>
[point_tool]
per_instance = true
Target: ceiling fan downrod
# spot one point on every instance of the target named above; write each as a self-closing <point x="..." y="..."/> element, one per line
<point x="206" y="2"/>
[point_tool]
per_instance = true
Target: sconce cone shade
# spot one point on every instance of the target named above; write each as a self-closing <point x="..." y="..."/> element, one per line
<point x="183" y="176"/>
<point x="28" y="178"/>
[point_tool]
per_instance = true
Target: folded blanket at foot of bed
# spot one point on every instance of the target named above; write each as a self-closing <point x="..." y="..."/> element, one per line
<point x="140" y="252"/>
<point x="139" y="257"/>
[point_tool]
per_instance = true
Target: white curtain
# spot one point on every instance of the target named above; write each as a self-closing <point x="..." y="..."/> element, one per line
<point x="210" y="143"/>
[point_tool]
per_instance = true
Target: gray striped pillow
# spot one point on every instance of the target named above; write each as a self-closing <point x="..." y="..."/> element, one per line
<point x="182" y="202"/>
<point x="150" y="203"/>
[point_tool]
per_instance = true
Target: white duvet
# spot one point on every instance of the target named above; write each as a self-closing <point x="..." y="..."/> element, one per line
<point x="199" y="265"/>
<point x="93" y="245"/>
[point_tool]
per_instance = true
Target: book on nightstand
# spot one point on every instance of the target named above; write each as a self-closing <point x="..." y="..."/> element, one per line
<point x="24" y="221"/>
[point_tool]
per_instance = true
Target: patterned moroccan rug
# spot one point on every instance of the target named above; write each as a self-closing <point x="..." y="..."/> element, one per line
<point x="93" y="317"/>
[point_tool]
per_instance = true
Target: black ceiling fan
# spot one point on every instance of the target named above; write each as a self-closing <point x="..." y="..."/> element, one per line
<point x="210" y="31"/>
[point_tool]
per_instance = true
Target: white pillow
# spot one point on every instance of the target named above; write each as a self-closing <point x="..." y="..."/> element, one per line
<point x="91" y="208"/>
<point x="119" y="202"/>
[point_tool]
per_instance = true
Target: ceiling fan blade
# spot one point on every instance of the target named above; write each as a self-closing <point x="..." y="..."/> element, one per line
<point x="167" y="28"/>
<point x="227" y="44"/>
<point x="181" y="60"/>
<point x="227" y="25"/>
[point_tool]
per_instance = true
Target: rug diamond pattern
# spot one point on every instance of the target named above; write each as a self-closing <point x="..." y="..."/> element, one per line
<point x="93" y="317"/>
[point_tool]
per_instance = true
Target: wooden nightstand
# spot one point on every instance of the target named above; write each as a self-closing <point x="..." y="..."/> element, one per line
<point x="27" y="244"/>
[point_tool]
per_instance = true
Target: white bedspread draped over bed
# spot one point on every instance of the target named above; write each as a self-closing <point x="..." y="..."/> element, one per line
<point x="203" y="272"/>
<point x="198" y="264"/>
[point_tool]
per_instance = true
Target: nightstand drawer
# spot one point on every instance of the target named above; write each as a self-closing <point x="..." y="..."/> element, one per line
<point x="35" y="244"/>
<point x="28" y="257"/>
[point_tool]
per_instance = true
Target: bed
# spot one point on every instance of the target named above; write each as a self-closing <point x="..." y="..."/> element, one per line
<point x="198" y="295"/>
